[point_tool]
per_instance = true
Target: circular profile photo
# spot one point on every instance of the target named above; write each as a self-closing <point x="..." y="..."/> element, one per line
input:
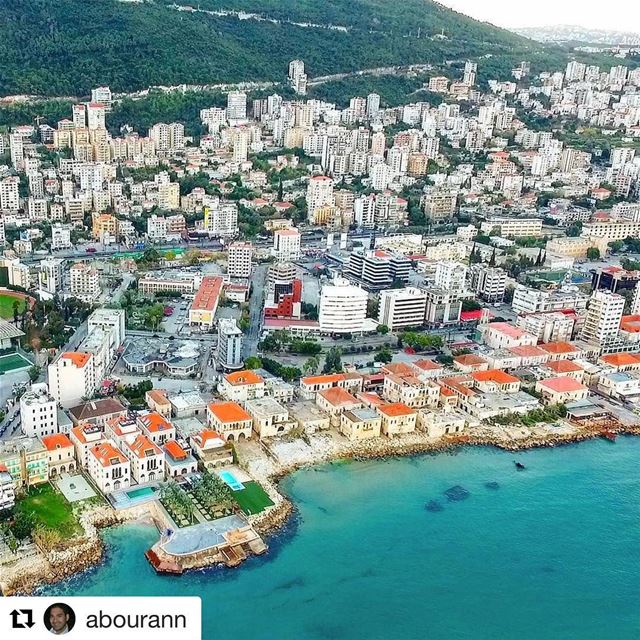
<point x="59" y="618"/>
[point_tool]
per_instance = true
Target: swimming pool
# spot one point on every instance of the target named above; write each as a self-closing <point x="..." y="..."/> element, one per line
<point x="230" y="480"/>
<point x="142" y="491"/>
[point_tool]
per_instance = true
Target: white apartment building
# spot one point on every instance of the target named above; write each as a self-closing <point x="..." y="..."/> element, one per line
<point x="103" y="96"/>
<point x="529" y="300"/>
<point x="343" y="307"/>
<point x="7" y="489"/>
<point x="109" y="468"/>
<point x="71" y="378"/>
<point x="286" y="245"/>
<point x="604" y="312"/>
<point x="95" y="116"/>
<point x="51" y="275"/>
<point x="490" y="283"/>
<point x="9" y="194"/>
<point x="553" y="326"/>
<point x="236" y="107"/>
<point x="229" y="344"/>
<point x="513" y="227"/>
<point x="60" y="237"/>
<point x="438" y="204"/>
<point x="85" y="283"/>
<point x="402" y="308"/>
<point x="167" y="137"/>
<point x="319" y="195"/>
<point x="112" y="321"/>
<point x="38" y="412"/>
<point x="239" y="260"/>
<point x="450" y="276"/>
<point x="169" y="196"/>
<point x="220" y="218"/>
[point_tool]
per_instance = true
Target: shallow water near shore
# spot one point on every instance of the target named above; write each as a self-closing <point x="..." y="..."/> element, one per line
<point x="547" y="553"/>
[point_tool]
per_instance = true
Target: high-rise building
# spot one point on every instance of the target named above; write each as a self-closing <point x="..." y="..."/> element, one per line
<point x="103" y="96"/>
<point x="373" y="105"/>
<point x="401" y="308"/>
<point x="297" y="77"/>
<point x="604" y="312"/>
<point x="220" y="217"/>
<point x="167" y="137"/>
<point x="439" y="205"/>
<point x="239" y="260"/>
<point x="343" y="307"/>
<point x="635" y="303"/>
<point x="96" y="116"/>
<point x="79" y="116"/>
<point x="319" y="195"/>
<point x="85" y="283"/>
<point x="236" y="107"/>
<point x="229" y="344"/>
<point x="9" y="193"/>
<point x="377" y="270"/>
<point x="286" y="245"/>
<point x="51" y="276"/>
<point x="450" y="276"/>
<point x="489" y="283"/>
<point x="38" y="412"/>
<point x="469" y="75"/>
<point x="72" y="378"/>
<point x="240" y="141"/>
<point x="16" y="147"/>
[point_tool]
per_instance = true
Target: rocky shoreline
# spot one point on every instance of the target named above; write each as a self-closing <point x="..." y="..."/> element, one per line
<point x="76" y="556"/>
<point x="83" y="553"/>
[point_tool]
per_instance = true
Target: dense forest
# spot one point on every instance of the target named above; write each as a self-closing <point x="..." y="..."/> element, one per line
<point x="65" y="47"/>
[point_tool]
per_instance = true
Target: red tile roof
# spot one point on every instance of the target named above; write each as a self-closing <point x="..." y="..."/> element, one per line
<point x="562" y="384"/>
<point x="56" y="441"/>
<point x="395" y="409"/>
<point x="228" y="412"/>
<point x="337" y="396"/>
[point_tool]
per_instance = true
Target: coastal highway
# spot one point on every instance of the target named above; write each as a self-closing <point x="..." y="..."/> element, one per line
<point x="256" y="305"/>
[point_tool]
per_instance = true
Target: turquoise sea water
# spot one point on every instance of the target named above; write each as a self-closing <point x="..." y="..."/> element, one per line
<point x="552" y="552"/>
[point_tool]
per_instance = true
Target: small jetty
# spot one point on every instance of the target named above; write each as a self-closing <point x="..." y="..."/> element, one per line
<point x="163" y="566"/>
<point x="609" y="435"/>
<point x="228" y="541"/>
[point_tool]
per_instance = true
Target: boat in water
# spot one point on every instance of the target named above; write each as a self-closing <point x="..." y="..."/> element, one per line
<point x="519" y="466"/>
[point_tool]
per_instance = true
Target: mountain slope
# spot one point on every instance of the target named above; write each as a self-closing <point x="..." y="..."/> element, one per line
<point x="64" y="47"/>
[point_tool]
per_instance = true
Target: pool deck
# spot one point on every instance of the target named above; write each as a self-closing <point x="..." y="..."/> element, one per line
<point x="203" y="536"/>
<point x="122" y="500"/>
<point x="228" y="541"/>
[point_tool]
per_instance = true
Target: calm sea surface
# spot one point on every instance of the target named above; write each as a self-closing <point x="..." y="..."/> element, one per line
<point x="552" y="552"/>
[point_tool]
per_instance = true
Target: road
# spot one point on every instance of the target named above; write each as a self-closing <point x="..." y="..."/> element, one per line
<point x="115" y="249"/>
<point x="256" y="305"/>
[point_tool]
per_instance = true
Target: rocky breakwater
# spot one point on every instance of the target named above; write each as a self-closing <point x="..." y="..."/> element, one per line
<point x="65" y="559"/>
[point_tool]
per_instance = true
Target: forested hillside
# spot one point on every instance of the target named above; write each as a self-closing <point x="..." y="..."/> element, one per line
<point x="64" y="47"/>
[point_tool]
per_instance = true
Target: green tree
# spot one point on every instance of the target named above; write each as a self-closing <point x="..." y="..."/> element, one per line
<point x="333" y="361"/>
<point x="372" y="307"/>
<point x="253" y="362"/>
<point x="615" y="246"/>
<point x="574" y="230"/>
<point x="593" y="253"/>
<point x="311" y="365"/>
<point x="382" y="329"/>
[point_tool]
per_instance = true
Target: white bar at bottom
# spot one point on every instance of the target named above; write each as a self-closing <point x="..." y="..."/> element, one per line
<point x="138" y="618"/>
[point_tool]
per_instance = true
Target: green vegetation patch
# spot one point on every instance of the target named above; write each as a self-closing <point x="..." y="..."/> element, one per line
<point x="252" y="499"/>
<point x="51" y="510"/>
<point x="6" y="305"/>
